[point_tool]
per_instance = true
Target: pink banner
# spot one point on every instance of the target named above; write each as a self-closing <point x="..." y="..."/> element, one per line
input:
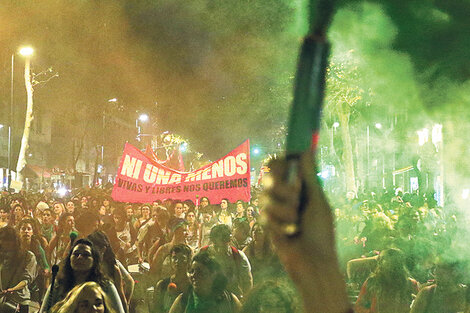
<point x="142" y="179"/>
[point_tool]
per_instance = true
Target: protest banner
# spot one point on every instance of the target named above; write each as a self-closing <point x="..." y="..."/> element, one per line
<point x="142" y="179"/>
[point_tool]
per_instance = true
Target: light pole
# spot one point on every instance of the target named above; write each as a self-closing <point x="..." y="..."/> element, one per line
<point x="143" y="117"/>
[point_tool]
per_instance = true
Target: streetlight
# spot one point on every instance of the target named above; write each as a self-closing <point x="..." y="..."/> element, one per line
<point x="143" y="117"/>
<point x="26" y="51"/>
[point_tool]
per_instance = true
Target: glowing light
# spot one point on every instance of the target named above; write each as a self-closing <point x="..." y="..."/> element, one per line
<point x="378" y="125"/>
<point x="423" y="136"/>
<point x="256" y="151"/>
<point x="62" y="191"/>
<point x="436" y="134"/>
<point x="143" y="117"/>
<point x="465" y="193"/>
<point x="184" y="147"/>
<point x="335" y="124"/>
<point x="325" y="174"/>
<point x="26" y="51"/>
<point x="112" y="100"/>
<point x="1" y="126"/>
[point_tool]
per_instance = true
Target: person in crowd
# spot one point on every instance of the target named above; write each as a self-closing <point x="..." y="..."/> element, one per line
<point x="192" y="234"/>
<point x="263" y="260"/>
<point x="224" y="216"/>
<point x="85" y="298"/>
<point x="205" y="229"/>
<point x="250" y="216"/>
<point x="234" y="262"/>
<point x="241" y="235"/>
<point x="17" y="214"/>
<point x="269" y="296"/>
<point x="208" y="292"/>
<point x="70" y="207"/>
<point x="254" y="203"/>
<point x="177" y="209"/>
<point x="18" y="270"/>
<point x="145" y="217"/>
<point x="127" y="237"/>
<point x="447" y="295"/>
<point x="239" y="215"/>
<point x="84" y="202"/>
<point x="86" y="223"/>
<point x="160" y="265"/>
<point x="3" y="217"/>
<point x="32" y="241"/>
<point x="389" y="288"/>
<point x="203" y="204"/>
<point x="159" y="232"/>
<point x="48" y="227"/>
<point x="131" y="218"/>
<point x="112" y="268"/>
<point x="58" y="245"/>
<point x="83" y="264"/>
<point x="166" y="290"/>
<point x="188" y="205"/>
<point x="59" y="209"/>
<point x="106" y="203"/>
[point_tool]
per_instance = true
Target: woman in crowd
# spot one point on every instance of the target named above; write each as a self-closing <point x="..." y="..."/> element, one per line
<point x="17" y="214"/>
<point x="3" y="217"/>
<point x="18" y="270"/>
<point x="389" y="288"/>
<point x="47" y="226"/>
<point x="169" y="288"/>
<point x="126" y="235"/>
<point x="145" y="217"/>
<point x="59" y="209"/>
<point x="32" y="241"/>
<point x="70" y="207"/>
<point x="208" y="289"/>
<point x="239" y="215"/>
<point x="60" y="241"/>
<point x="177" y="210"/>
<point x="192" y="230"/>
<point x="263" y="260"/>
<point x="82" y="265"/>
<point x="250" y="216"/>
<point x="85" y="298"/>
<point x="112" y="267"/>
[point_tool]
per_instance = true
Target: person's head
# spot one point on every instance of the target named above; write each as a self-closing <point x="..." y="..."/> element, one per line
<point x="162" y="217"/>
<point x="103" y="246"/>
<point x="241" y="231"/>
<point x="269" y="297"/>
<point x="145" y="209"/>
<point x="87" y="223"/>
<point x="88" y="297"/>
<point x="224" y="204"/>
<point x="180" y="258"/>
<point x="66" y="223"/>
<point x="58" y="208"/>
<point x="249" y="212"/>
<point x="102" y="210"/>
<point x="391" y="261"/>
<point x="120" y="217"/>
<point x="206" y="217"/>
<point x="190" y="217"/>
<point x="3" y="214"/>
<point x="254" y="202"/>
<point x="10" y="244"/>
<point x="204" y="202"/>
<point x="206" y="275"/>
<point x="27" y="228"/>
<point x="70" y="207"/>
<point x="84" y="200"/>
<point x="18" y="211"/>
<point x="178" y="208"/>
<point x="106" y="202"/>
<point x="129" y="212"/>
<point x="240" y="207"/>
<point x="188" y="205"/>
<point x="221" y="236"/>
<point x="258" y="233"/>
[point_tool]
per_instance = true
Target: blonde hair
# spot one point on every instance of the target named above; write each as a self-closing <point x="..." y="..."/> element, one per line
<point x="71" y="301"/>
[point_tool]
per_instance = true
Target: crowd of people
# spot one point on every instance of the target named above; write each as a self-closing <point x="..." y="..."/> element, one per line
<point x="73" y="255"/>
<point x="201" y="257"/>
